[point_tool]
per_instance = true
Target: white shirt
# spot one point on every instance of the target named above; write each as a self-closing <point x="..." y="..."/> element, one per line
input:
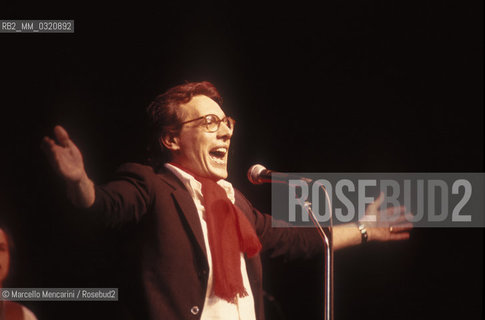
<point x="216" y="308"/>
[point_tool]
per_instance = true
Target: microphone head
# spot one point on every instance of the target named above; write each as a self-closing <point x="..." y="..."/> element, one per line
<point x="254" y="174"/>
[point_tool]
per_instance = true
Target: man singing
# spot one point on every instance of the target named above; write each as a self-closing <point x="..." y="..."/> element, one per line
<point x="198" y="240"/>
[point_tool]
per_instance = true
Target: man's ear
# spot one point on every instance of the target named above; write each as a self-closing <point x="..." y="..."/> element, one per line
<point x="170" y="141"/>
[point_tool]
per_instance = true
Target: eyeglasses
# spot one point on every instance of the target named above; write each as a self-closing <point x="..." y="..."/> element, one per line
<point x="212" y="122"/>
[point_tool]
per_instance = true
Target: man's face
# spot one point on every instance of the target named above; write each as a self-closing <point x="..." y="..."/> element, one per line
<point x="202" y="152"/>
<point x="4" y="256"/>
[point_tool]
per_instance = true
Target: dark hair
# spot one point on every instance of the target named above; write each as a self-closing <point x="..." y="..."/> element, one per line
<point x="164" y="116"/>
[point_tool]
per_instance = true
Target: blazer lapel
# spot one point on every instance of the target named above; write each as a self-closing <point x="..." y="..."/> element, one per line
<point x="186" y="204"/>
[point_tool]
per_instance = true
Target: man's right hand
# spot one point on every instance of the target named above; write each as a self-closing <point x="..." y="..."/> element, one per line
<point x="67" y="160"/>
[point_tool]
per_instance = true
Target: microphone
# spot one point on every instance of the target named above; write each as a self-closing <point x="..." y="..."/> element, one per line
<point x="258" y="174"/>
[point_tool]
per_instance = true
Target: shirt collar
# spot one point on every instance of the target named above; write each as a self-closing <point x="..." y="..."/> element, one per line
<point x="195" y="187"/>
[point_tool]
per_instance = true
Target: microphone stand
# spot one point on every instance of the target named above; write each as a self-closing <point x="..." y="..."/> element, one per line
<point x="256" y="175"/>
<point x="327" y="238"/>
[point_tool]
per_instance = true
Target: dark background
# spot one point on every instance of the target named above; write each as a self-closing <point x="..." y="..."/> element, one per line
<point x="342" y="86"/>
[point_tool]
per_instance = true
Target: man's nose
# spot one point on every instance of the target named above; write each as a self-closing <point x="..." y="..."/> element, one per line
<point x="224" y="131"/>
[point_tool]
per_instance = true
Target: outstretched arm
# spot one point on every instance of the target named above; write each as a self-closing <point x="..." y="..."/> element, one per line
<point x="67" y="160"/>
<point x="347" y="235"/>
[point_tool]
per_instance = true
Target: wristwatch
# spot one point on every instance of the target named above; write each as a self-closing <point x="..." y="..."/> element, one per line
<point x="363" y="232"/>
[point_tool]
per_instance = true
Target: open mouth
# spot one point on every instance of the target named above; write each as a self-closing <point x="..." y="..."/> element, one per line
<point x="218" y="154"/>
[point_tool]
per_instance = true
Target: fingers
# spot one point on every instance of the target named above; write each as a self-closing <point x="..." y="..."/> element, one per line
<point x="400" y="232"/>
<point x="401" y="227"/>
<point x="47" y="143"/>
<point x="397" y="215"/>
<point x="62" y="136"/>
<point x="395" y="210"/>
<point x="48" y="146"/>
<point x="404" y="218"/>
<point x="377" y="203"/>
<point x="399" y="236"/>
<point x="394" y="214"/>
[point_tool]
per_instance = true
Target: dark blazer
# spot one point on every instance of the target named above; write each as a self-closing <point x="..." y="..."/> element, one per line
<point x="169" y="255"/>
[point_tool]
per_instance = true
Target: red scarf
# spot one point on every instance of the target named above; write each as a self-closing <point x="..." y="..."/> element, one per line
<point x="230" y="233"/>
